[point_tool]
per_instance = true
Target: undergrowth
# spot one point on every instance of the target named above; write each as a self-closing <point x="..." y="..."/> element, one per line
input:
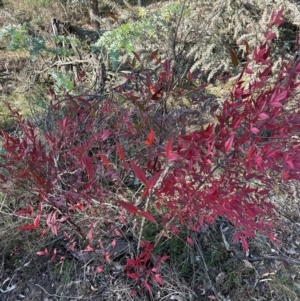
<point x="149" y="172"/>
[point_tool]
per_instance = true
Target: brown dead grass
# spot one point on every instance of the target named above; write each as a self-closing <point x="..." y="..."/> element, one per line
<point x="208" y="271"/>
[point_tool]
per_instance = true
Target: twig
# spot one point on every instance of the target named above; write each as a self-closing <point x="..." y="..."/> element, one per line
<point x="199" y="248"/>
<point x="286" y="259"/>
<point x="289" y="260"/>
<point x="176" y="31"/>
<point x="221" y="163"/>
<point x="51" y="295"/>
<point x="161" y="177"/>
<point x="60" y="63"/>
<point x="64" y="8"/>
<point x="59" y="296"/>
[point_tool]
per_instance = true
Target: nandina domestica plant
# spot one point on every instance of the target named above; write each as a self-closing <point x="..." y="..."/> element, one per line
<point x="80" y="160"/>
<point x="142" y="270"/>
<point x="229" y="167"/>
<point x="212" y="170"/>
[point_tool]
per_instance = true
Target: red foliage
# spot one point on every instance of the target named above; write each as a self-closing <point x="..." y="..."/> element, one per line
<point x="80" y="159"/>
<point x="142" y="269"/>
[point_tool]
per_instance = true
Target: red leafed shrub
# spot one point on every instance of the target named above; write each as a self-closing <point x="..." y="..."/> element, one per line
<point x="82" y="156"/>
<point x="143" y="270"/>
<point x="213" y="169"/>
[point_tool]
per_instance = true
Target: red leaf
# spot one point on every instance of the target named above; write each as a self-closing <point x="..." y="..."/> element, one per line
<point x="169" y="148"/>
<point x="26" y="228"/>
<point x="228" y="143"/>
<point x="133" y="63"/>
<point x="241" y="236"/>
<point x="148" y="216"/>
<point x="79" y="205"/>
<point x="156" y="95"/>
<point x="36" y="222"/>
<point x="275" y="99"/>
<point x="99" y="269"/>
<point x="4" y="180"/>
<point x="276" y="104"/>
<point x="234" y="57"/>
<point x="90" y="235"/>
<point x="251" y="152"/>
<point x="150" y="138"/>
<point x="247" y="46"/>
<point x="54" y="229"/>
<point x="160" y="260"/>
<point x="120" y="151"/>
<point x="104" y="159"/>
<point x="89" y="249"/>
<point x="173" y="157"/>
<point x="147" y="286"/>
<point x="153" y="55"/>
<point x="277" y="19"/>
<point x="296" y="45"/>
<point x="145" y="193"/>
<point x="64" y="218"/>
<point x="245" y="243"/>
<point x="133" y="275"/>
<point x="88" y="164"/>
<point x="152" y="181"/>
<point x="53" y="255"/>
<point x="41" y="253"/>
<point x="263" y="116"/>
<point x="23" y="212"/>
<point x="281" y="96"/>
<point x="158" y="279"/>
<point x="248" y="71"/>
<point x="133" y="293"/>
<point x="270" y="36"/>
<point x="136" y="56"/>
<point x="39" y="179"/>
<point x="272" y="153"/>
<point x="65" y="123"/>
<point x="237" y="236"/>
<point x="139" y="173"/>
<point x="254" y="130"/>
<point x="190" y="241"/>
<point x="289" y="162"/>
<point x="113" y="244"/>
<point x="113" y="16"/>
<point x="164" y="258"/>
<point x="105" y="135"/>
<point x="128" y="206"/>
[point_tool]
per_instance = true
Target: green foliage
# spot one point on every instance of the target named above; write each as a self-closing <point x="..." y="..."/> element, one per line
<point x="235" y="276"/>
<point x="63" y="82"/>
<point x="179" y="255"/>
<point x="150" y="231"/>
<point x="205" y="35"/>
<point x="38" y="3"/>
<point x="36" y="47"/>
<point x="17" y="37"/>
<point x="214" y="254"/>
<point x="128" y="37"/>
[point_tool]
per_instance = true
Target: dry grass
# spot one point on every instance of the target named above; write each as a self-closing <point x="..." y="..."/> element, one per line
<point x="212" y="267"/>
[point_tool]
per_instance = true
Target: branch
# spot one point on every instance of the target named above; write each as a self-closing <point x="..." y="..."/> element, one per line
<point x="160" y="179"/>
<point x="286" y="259"/>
